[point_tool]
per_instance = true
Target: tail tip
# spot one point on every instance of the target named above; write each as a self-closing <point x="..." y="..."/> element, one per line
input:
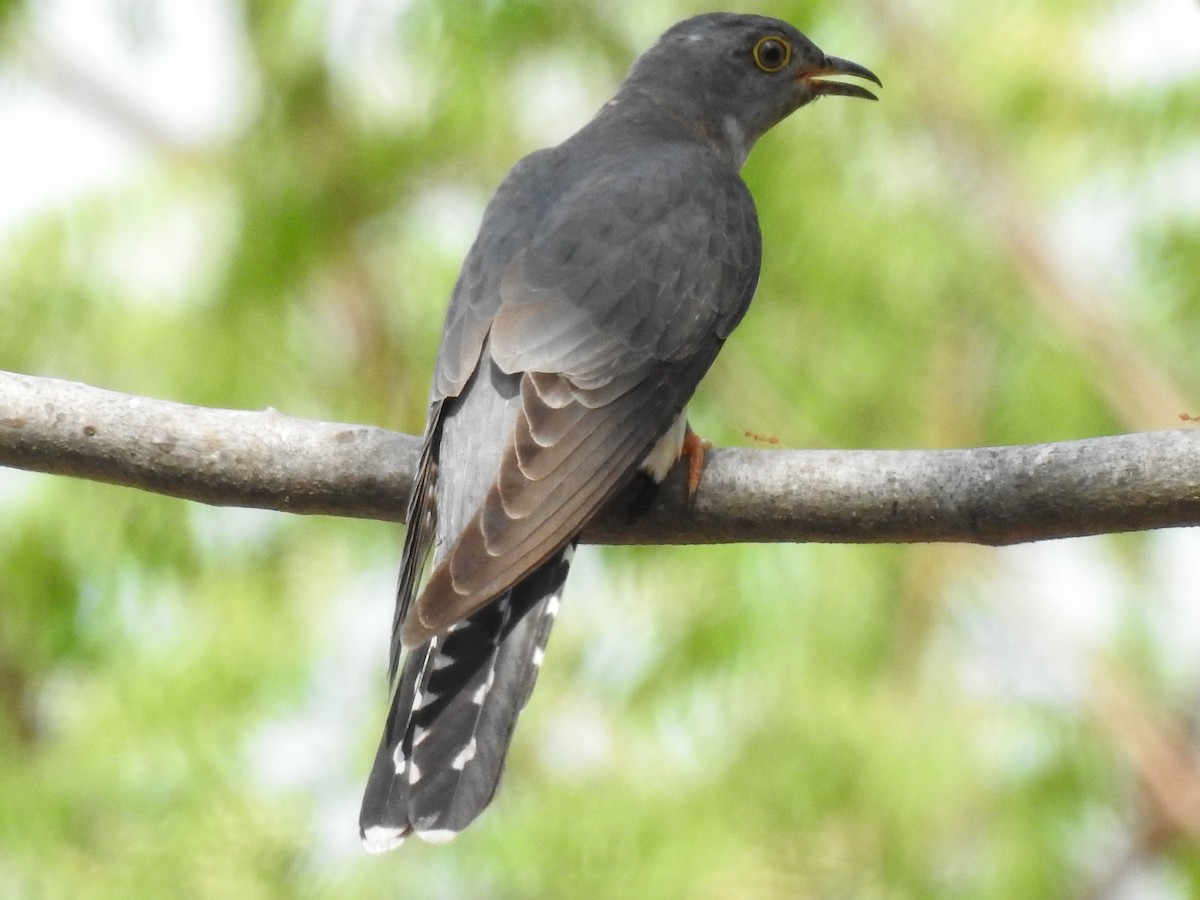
<point x="382" y="838"/>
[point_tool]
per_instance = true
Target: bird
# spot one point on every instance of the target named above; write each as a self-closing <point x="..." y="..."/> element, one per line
<point x="606" y="274"/>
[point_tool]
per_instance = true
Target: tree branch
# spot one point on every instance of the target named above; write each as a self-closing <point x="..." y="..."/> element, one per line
<point x="988" y="495"/>
<point x="219" y="456"/>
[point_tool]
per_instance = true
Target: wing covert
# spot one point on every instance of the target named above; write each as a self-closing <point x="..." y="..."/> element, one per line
<point x="608" y="312"/>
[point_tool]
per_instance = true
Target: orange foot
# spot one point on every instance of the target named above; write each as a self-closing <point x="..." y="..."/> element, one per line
<point x="694" y="448"/>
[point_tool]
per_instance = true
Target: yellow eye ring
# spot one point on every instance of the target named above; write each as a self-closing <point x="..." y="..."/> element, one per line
<point x="772" y="53"/>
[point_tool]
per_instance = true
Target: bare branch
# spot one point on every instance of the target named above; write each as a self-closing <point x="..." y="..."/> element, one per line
<point x="988" y="495"/>
<point x="219" y="456"/>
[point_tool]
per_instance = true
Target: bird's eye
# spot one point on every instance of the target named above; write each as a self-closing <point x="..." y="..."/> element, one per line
<point x="772" y="53"/>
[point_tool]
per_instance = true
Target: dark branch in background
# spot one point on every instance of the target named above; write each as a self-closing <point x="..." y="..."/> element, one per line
<point x="989" y="495"/>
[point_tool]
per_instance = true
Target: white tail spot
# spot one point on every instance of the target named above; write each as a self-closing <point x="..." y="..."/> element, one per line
<point x="382" y="838"/>
<point x="467" y="754"/>
<point x="504" y="607"/>
<point x="481" y="694"/>
<point x="418" y="695"/>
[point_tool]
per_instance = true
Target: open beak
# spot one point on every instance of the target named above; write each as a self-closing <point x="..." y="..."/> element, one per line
<point x="836" y="66"/>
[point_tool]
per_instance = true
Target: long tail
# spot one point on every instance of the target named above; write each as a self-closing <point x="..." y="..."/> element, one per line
<point x="453" y="715"/>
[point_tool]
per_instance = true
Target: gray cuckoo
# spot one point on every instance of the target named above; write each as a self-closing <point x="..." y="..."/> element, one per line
<point x="606" y="274"/>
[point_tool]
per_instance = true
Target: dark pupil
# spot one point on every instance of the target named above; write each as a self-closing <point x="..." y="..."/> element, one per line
<point x="770" y="54"/>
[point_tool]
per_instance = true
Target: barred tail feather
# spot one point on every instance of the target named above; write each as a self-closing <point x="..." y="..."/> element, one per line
<point x="453" y="715"/>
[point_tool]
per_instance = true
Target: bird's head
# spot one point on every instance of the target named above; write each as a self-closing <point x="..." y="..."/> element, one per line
<point x="736" y="76"/>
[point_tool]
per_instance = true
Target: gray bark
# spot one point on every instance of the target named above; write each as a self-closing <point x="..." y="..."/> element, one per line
<point x="986" y="495"/>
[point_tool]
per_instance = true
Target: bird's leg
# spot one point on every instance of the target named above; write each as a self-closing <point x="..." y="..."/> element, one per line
<point x="693" y="450"/>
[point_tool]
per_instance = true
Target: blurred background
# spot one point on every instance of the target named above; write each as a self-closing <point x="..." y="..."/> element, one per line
<point x="265" y="204"/>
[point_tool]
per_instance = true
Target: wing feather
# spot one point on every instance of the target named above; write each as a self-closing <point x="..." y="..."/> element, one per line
<point x="607" y="311"/>
<point x="523" y="520"/>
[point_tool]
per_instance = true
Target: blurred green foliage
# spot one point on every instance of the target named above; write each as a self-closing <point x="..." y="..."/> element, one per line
<point x="189" y="697"/>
